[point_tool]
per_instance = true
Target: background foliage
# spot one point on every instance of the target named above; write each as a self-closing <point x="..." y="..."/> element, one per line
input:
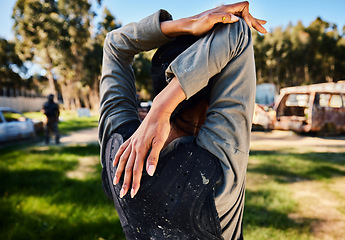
<point x="300" y="55"/>
<point x="65" y="39"/>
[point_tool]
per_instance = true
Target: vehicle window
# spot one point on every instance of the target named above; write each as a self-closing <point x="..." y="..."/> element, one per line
<point x="336" y="101"/>
<point x="324" y="99"/>
<point x="297" y="100"/>
<point x="13" y="116"/>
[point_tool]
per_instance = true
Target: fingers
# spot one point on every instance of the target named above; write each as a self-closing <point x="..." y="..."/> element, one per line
<point x="248" y="20"/>
<point x="137" y="173"/>
<point x="242" y="9"/>
<point x="260" y="21"/>
<point x="122" y="162"/>
<point x="229" y="18"/>
<point x="131" y="164"/>
<point x="120" y="151"/>
<point x="128" y="174"/>
<point x="152" y="160"/>
<point x="256" y="23"/>
<point x="222" y="17"/>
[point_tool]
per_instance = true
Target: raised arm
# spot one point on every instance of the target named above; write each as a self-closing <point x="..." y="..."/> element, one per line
<point x="153" y="132"/>
<point x="117" y="89"/>
<point x="202" y="23"/>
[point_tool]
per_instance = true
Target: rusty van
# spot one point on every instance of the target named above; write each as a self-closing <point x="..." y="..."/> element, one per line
<point x="316" y="108"/>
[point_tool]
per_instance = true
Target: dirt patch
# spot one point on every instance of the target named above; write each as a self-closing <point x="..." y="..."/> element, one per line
<point x="301" y="143"/>
<point x="322" y="204"/>
<point x="81" y="136"/>
<point x="86" y="166"/>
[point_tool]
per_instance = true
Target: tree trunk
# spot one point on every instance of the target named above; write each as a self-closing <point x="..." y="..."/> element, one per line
<point x="65" y="96"/>
<point x="85" y="96"/>
<point x="76" y="96"/>
<point x="94" y="95"/>
<point x="306" y="74"/>
<point x="50" y="75"/>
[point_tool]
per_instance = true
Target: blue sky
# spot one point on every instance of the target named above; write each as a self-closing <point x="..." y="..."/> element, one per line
<point x="277" y="13"/>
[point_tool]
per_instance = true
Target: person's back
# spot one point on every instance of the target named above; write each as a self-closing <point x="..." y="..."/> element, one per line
<point x="52" y="112"/>
<point x="51" y="109"/>
<point x="211" y="162"/>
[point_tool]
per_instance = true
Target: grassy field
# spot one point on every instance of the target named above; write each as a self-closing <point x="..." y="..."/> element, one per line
<point x="46" y="195"/>
<point x="276" y="178"/>
<point x="54" y="192"/>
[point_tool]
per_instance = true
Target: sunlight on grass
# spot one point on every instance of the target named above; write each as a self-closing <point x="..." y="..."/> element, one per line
<point x="269" y="200"/>
<point x="266" y="214"/>
<point x="69" y="121"/>
<point x="39" y="200"/>
<point x="42" y="199"/>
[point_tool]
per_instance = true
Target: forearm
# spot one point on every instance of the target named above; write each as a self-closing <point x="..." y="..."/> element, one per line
<point x="168" y="99"/>
<point x="175" y="28"/>
<point x="117" y="87"/>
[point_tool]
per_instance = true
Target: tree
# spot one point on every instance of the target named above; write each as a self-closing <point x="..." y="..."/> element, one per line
<point x="142" y="71"/>
<point x="93" y="60"/>
<point x="299" y="55"/>
<point x="57" y="36"/>
<point x="37" y="31"/>
<point x="77" y="18"/>
<point x="9" y="62"/>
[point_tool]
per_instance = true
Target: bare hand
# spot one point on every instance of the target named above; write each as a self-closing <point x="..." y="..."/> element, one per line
<point x="202" y="23"/>
<point x="150" y="136"/>
<point x="228" y="13"/>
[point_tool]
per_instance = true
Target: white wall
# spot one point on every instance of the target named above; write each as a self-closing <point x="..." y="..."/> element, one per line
<point x="23" y="104"/>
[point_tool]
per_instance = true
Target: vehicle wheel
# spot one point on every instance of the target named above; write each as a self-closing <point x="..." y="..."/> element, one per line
<point x="328" y="129"/>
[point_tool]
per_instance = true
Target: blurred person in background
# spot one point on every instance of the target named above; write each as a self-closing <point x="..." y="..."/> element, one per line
<point x="194" y="141"/>
<point x="52" y="112"/>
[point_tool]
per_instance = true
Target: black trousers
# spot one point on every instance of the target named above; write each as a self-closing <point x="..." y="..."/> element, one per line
<point x="176" y="203"/>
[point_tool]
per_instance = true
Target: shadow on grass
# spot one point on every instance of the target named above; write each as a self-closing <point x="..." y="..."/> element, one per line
<point x="39" y="201"/>
<point x="77" y="124"/>
<point x="290" y="167"/>
<point x="89" y="150"/>
<point x="17" y="224"/>
<point x="269" y="209"/>
<point x="52" y="184"/>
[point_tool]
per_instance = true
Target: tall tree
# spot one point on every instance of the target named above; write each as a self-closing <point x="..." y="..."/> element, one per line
<point x="56" y="35"/>
<point x="77" y="17"/>
<point x="10" y="65"/>
<point x="93" y="59"/>
<point x="37" y="29"/>
<point x="299" y="55"/>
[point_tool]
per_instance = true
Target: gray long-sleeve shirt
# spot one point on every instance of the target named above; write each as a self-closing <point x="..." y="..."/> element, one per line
<point x="226" y="54"/>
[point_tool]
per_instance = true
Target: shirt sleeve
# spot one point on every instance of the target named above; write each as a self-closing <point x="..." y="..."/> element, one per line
<point x="226" y="56"/>
<point x="117" y="86"/>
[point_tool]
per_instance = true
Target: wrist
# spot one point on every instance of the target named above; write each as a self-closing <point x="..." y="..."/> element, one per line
<point x="175" y="28"/>
<point x="161" y="108"/>
<point x="168" y="99"/>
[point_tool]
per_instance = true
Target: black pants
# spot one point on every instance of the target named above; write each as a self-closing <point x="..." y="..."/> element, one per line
<point x="52" y="127"/>
<point x="176" y="203"/>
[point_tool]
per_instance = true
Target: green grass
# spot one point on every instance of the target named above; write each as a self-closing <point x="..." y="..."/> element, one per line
<point x="69" y="121"/>
<point x="285" y="166"/>
<point x="269" y="199"/>
<point x="266" y="214"/>
<point x="39" y="201"/>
